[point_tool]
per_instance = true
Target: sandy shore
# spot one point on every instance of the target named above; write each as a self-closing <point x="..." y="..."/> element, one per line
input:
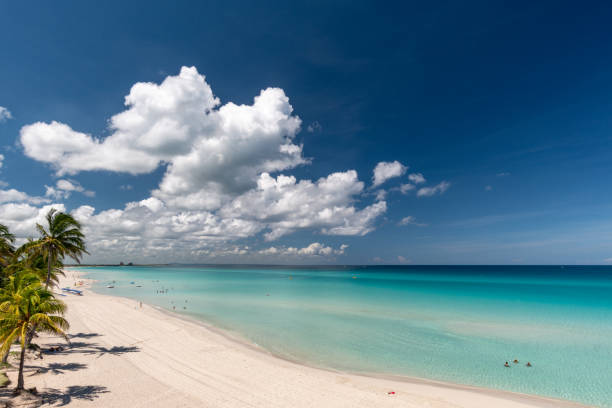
<point x="126" y="356"/>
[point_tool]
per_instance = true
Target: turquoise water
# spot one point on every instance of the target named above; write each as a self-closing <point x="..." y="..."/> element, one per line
<point x="456" y="324"/>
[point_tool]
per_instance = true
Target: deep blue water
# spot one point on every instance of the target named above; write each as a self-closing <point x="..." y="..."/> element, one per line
<point x="457" y="324"/>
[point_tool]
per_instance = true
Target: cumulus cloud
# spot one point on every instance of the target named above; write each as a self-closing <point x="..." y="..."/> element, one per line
<point x="225" y="176"/>
<point x="416" y="178"/>
<point x="386" y="170"/>
<point x="212" y="151"/>
<point x="1" y="160"/>
<point x="314" y="249"/>
<point x="5" y="114"/>
<point x="283" y="205"/>
<point x="13" y="195"/>
<point x="21" y="218"/>
<point x="437" y="189"/>
<point x="64" y="188"/>
<point x="405" y="188"/>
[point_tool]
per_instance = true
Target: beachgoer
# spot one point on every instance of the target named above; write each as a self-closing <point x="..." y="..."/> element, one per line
<point x="506" y="365"/>
<point x="528" y="364"/>
<point x="515" y="361"/>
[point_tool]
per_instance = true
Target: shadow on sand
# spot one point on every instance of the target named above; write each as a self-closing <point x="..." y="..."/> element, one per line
<point x="95" y="348"/>
<point x="55" y="368"/>
<point x="54" y="396"/>
<point x="83" y="335"/>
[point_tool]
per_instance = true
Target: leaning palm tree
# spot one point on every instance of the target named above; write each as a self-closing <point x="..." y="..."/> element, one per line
<point x="62" y="237"/>
<point x="26" y="306"/>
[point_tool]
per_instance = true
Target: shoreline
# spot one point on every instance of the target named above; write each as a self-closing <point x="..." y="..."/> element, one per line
<point x="181" y="361"/>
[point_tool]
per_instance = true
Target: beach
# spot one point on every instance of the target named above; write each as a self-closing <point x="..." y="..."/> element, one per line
<point x="123" y="354"/>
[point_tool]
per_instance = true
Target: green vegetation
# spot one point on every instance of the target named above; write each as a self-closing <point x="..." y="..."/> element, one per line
<point x="4" y="380"/>
<point x="60" y="238"/>
<point x="27" y="306"/>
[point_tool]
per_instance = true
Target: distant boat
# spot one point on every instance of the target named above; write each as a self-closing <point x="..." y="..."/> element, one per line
<point x="110" y="286"/>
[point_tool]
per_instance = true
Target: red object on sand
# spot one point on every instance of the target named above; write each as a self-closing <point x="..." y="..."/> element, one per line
<point x="391" y="393"/>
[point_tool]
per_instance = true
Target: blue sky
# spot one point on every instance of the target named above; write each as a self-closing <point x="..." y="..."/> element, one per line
<point x="507" y="104"/>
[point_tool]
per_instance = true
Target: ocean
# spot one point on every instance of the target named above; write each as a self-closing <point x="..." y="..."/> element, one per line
<point x="458" y="324"/>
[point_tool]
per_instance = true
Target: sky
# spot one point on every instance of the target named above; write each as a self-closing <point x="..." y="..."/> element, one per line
<point x="311" y="132"/>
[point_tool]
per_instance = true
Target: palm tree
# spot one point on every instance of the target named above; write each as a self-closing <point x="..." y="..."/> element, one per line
<point x="32" y="262"/>
<point x="62" y="237"/>
<point x="25" y="307"/>
<point x="6" y="245"/>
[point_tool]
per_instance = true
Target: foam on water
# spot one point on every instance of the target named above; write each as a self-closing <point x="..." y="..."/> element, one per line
<point x="457" y="324"/>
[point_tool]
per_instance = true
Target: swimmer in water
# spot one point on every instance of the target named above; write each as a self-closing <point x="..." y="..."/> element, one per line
<point x="506" y="365"/>
<point x="528" y="364"/>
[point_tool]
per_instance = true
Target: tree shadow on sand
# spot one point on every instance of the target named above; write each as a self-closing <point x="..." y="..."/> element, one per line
<point x="117" y="350"/>
<point x="56" y="368"/>
<point x="94" y="348"/>
<point x="53" y="396"/>
<point x="83" y="335"/>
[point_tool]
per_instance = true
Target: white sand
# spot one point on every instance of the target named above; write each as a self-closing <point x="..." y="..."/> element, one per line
<point x="125" y="356"/>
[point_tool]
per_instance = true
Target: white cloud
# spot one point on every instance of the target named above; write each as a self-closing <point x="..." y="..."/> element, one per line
<point x="5" y="114"/>
<point x="416" y="178"/>
<point x="126" y="187"/>
<point x="410" y="220"/>
<point x="284" y="205"/>
<point x="488" y="188"/>
<point x="64" y="188"/>
<point x="13" y="195"/>
<point x="386" y="170"/>
<point x="1" y="160"/>
<point x="223" y="180"/>
<point x="314" y="249"/>
<point x="381" y="195"/>
<point x="21" y="218"/>
<point x="213" y="152"/>
<point x="503" y="174"/>
<point x="403" y="260"/>
<point x="405" y="188"/>
<point x="437" y="189"/>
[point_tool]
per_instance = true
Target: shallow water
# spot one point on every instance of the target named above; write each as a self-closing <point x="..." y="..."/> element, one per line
<point x="457" y="324"/>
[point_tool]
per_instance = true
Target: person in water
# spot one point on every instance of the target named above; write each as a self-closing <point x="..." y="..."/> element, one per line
<point x="515" y="361"/>
<point x="528" y="364"/>
<point x="506" y="365"/>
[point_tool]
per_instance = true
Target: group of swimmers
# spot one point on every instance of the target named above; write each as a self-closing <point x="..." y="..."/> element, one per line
<point x="516" y="362"/>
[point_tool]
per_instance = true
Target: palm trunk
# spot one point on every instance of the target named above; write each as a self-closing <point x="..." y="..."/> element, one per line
<point x="5" y="356"/>
<point x="49" y="262"/>
<point x="21" y="361"/>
